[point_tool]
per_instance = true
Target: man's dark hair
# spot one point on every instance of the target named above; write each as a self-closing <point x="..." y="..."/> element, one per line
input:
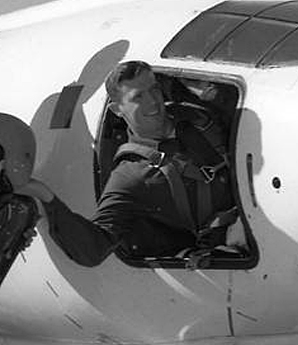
<point x="124" y="71"/>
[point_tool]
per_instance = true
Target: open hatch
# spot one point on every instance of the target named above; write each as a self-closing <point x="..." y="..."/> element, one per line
<point x="222" y="93"/>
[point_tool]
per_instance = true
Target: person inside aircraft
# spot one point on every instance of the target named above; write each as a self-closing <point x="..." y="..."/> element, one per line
<point x="18" y="213"/>
<point x="169" y="185"/>
<point x="11" y="224"/>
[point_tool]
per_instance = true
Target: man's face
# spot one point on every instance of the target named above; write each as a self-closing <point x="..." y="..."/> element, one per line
<point x="141" y="104"/>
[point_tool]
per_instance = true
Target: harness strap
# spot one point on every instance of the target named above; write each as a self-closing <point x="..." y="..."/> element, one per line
<point x="203" y="192"/>
<point x="179" y="195"/>
<point x="204" y="202"/>
<point x="171" y="172"/>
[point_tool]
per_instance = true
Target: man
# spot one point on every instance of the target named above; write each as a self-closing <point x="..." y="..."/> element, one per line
<point x="138" y="211"/>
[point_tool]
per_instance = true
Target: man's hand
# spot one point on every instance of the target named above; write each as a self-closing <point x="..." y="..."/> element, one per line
<point x="28" y="235"/>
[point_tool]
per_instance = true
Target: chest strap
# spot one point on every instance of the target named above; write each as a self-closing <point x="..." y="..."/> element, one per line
<point x="179" y="194"/>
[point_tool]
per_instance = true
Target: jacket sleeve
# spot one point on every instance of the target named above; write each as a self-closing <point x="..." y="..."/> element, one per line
<point x="83" y="241"/>
<point x="89" y="242"/>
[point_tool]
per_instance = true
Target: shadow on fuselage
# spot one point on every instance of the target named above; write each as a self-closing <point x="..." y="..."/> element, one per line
<point x="59" y="166"/>
<point x="64" y="156"/>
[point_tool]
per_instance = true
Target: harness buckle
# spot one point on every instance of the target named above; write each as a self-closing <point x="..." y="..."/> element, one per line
<point x="209" y="171"/>
<point x="157" y="160"/>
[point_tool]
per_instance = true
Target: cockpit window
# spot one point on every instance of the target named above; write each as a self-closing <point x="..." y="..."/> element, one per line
<point x="260" y="34"/>
<point x="222" y="98"/>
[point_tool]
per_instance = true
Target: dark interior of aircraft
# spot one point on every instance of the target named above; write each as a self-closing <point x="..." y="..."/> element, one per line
<point x="222" y="99"/>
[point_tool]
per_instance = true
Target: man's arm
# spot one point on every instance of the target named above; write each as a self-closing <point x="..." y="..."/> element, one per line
<point x="84" y="242"/>
<point x="89" y="242"/>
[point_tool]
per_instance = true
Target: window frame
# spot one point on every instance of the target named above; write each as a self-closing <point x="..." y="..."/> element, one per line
<point x="215" y="263"/>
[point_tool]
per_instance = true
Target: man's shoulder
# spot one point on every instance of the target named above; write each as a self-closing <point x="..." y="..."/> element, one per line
<point x="141" y="155"/>
<point x="133" y="166"/>
<point x="127" y="177"/>
<point x="129" y="172"/>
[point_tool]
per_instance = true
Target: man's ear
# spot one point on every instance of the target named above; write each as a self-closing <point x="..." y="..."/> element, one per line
<point x="114" y="107"/>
